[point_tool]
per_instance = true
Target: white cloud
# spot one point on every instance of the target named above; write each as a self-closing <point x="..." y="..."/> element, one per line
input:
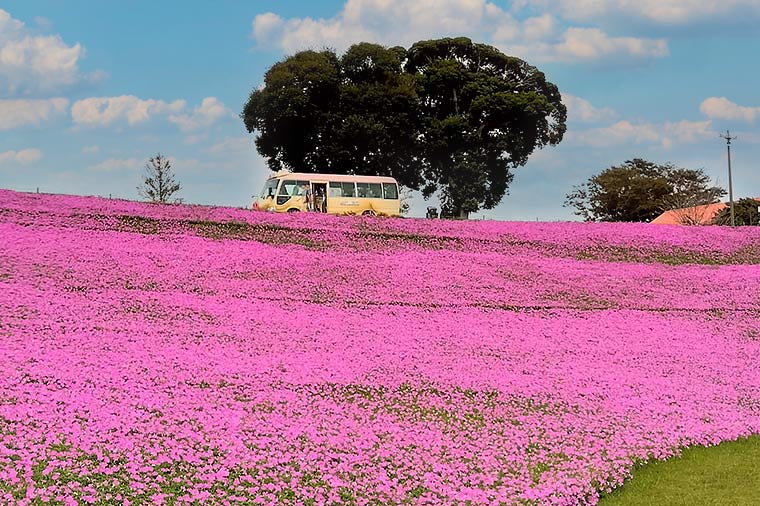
<point x="9" y="26"/>
<point x="23" y="157"/>
<point x="659" y="11"/>
<point x="723" y="108"/>
<point x="90" y="149"/>
<point x="20" y="112"/>
<point x="622" y="132"/>
<point x="33" y="64"/>
<point x="382" y="21"/>
<point x="627" y="133"/>
<point x="266" y="25"/>
<point x="540" y="27"/>
<point x="116" y="164"/>
<point x="205" y="115"/>
<point x="581" y="110"/>
<point x="105" y="111"/>
<point x="27" y="156"/>
<point x="590" y="44"/>
<point x="406" y="21"/>
<point x="689" y="131"/>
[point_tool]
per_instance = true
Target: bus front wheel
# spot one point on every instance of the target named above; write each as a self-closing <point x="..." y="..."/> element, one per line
<point x="294" y="210"/>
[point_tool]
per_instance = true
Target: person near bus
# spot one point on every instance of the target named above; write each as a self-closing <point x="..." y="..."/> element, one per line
<point x="308" y="197"/>
<point x="320" y="200"/>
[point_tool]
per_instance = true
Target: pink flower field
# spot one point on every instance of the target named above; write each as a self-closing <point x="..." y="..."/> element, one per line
<point x="196" y="355"/>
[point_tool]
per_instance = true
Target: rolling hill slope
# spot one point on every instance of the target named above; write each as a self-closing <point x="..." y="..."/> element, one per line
<point x="191" y="354"/>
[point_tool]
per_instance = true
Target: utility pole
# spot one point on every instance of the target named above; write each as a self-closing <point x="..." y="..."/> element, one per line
<point x="730" y="189"/>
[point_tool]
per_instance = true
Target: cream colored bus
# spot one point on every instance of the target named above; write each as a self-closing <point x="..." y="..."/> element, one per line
<point x="288" y="192"/>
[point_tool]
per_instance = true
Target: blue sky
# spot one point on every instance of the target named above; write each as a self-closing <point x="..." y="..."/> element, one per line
<point x="90" y="90"/>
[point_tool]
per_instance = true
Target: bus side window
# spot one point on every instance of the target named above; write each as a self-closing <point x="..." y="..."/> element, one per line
<point x="336" y="190"/>
<point x="375" y="191"/>
<point x="348" y="189"/>
<point x="390" y="191"/>
<point x="362" y="190"/>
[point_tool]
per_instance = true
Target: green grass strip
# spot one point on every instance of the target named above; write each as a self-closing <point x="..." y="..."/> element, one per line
<point x="723" y="475"/>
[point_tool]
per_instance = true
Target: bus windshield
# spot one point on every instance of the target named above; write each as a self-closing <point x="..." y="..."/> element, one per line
<point x="270" y="188"/>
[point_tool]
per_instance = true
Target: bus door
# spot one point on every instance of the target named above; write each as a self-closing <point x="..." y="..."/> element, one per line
<point x="319" y="190"/>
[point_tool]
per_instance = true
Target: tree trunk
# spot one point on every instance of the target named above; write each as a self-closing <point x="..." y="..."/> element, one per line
<point x="464" y="215"/>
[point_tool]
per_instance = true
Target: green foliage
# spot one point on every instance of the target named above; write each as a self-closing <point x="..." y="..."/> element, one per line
<point x="355" y="114"/>
<point x="158" y="184"/>
<point x="485" y="112"/>
<point x="746" y="212"/>
<point x="639" y="190"/>
<point x="445" y="115"/>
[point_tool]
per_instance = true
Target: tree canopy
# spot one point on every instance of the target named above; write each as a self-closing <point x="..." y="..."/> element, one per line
<point x="446" y="115"/>
<point x="485" y="113"/>
<point x="639" y="190"/>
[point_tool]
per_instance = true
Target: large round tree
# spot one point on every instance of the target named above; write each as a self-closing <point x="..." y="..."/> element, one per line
<point x="485" y="113"/>
<point x="447" y="115"/>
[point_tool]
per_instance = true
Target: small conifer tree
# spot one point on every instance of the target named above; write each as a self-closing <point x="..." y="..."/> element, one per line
<point x="158" y="183"/>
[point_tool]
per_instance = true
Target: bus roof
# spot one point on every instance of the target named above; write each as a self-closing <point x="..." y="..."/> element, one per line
<point x="312" y="176"/>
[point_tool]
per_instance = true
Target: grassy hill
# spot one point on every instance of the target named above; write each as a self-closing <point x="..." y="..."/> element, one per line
<point x="187" y="354"/>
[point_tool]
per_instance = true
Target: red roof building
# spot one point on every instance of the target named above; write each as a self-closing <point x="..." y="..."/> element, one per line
<point x="698" y="215"/>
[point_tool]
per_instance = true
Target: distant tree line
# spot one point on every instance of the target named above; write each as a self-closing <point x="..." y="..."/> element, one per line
<point x="447" y="115"/>
<point x="746" y="213"/>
